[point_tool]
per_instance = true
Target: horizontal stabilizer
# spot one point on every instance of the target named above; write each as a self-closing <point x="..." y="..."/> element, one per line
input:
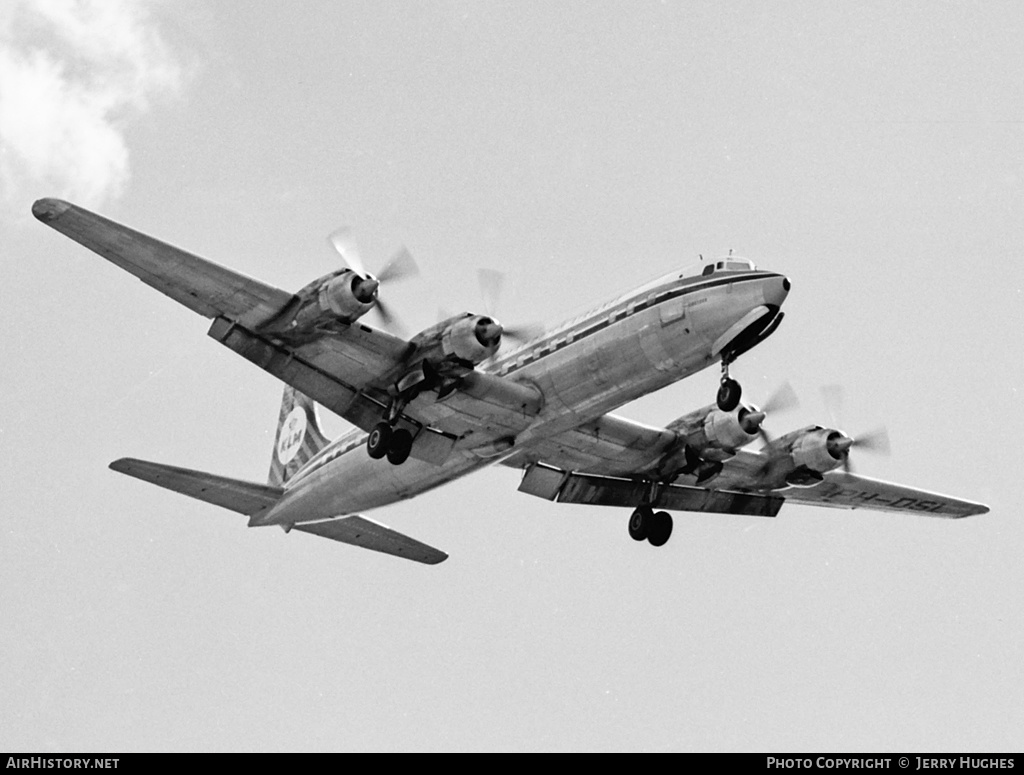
<point x="246" y="498"/>
<point x="368" y="534"/>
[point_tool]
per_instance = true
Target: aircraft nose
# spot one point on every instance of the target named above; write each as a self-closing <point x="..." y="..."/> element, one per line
<point x="775" y="290"/>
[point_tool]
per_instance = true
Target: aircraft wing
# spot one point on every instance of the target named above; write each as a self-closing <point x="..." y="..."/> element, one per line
<point x="852" y="491"/>
<point x="619" y="472"/>
<point x="201" y="285"/>
<point x="350" y="369"/>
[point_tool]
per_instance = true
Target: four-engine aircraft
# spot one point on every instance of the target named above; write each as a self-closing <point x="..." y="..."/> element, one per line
<point x="449" y="400"/>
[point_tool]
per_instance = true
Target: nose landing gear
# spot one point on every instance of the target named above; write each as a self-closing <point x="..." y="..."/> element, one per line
<point x="729" y="391"/>
<point x="655" y="527"/>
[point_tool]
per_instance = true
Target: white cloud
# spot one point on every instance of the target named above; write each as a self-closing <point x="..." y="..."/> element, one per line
<point x="72" y="74"/>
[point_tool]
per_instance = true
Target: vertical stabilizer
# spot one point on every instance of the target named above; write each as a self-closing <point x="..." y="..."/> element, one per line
<point x="298" y="439"/>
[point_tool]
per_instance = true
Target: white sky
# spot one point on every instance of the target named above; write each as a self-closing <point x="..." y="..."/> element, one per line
<point x="873" y="152"/>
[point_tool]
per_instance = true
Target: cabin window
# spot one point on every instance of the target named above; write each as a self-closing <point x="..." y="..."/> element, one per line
<point x="709" y="269"/>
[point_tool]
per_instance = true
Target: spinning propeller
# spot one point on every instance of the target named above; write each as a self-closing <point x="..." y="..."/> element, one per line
<point x="399" y="267"/>
<point x="782" y="400"/>
<point x="875" y="441"/>
<point x="491" y="283"/>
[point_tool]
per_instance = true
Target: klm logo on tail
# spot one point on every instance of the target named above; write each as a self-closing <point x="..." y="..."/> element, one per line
<point x="299" y="437"/>
<point x="293" y="431"/>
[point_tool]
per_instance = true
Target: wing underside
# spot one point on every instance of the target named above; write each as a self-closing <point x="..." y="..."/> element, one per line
<point x="851" y="491"/>
<point x="202" y="286"/>
<point x="738" y="489"/>
<point x="568" y="487"/>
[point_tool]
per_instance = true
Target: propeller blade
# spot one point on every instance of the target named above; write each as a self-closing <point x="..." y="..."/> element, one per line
<point x="342" y="241"/>
<point x="832" y="395"/>
<point x="399" y="267"/>
<point x="765" y="437"/>
<point x="491" y="282"/>
<point x="782" y="400"/>
<point x="876" y="441"/>
<point x="523" y="333"/>
<point x="388" y="319"/>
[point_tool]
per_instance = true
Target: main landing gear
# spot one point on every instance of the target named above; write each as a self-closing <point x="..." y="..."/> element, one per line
<point x="386" y="441"/>
<point x="645" y="523"/>
<point x="729" y="391"/>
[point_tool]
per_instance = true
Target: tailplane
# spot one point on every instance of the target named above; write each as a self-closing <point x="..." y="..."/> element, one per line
<point x="298" y="438"/>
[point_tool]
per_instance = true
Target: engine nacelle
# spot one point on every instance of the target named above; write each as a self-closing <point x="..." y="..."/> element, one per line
<point x="710" y="430"/>
<point x="473" y="338"/>
<point x="732" y="430"/>
<point x="820" y="450"/>
<point x="347" y="295"/>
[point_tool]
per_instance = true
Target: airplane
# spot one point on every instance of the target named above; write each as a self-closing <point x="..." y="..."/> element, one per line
<point x="450" y="401"/>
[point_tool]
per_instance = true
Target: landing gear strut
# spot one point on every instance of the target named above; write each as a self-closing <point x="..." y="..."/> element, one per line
<point x="645" y="523"/>
<point x="729" y="391"/>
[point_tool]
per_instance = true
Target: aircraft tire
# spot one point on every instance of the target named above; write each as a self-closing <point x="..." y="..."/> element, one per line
<point x="729" y="395"/>
<point x="379" y="440"/>
<point x="400" y="447"/>
<point x="661" y="529"/>
<point x="639" y="521"/>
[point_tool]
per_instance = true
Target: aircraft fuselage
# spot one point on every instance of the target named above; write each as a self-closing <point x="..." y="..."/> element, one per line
<point x="638" y="343"/>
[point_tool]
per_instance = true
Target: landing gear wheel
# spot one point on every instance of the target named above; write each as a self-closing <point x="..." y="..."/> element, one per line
<point x="639" y="521"/>
<point x="379" y="440"/>
<point x="400" y="446"/>
<point x="729" y="394"/>
<point x="660" y="529"/>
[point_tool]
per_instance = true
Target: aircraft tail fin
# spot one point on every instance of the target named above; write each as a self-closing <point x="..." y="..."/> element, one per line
<point x="298" y="438"/>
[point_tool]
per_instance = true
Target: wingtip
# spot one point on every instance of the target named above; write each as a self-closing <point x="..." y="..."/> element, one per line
<point x="972" y="510"/>
<point x="49" y="209"/>
<point x="121" y="464"/>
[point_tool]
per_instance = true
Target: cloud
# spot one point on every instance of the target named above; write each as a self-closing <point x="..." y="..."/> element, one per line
<point x="73" y="75"/>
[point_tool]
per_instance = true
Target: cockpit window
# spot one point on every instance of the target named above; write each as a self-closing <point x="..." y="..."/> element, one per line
<point x="729" y="265"/>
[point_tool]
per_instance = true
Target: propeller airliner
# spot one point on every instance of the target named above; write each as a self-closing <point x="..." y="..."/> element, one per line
<point x="449" y="400"/>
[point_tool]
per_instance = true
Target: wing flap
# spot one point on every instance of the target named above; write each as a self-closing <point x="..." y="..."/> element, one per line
<point x="240" y="496"/>
<point x="201" y="285"/>
<point x="566" y="487"/>
<point x="367" y="534"/>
